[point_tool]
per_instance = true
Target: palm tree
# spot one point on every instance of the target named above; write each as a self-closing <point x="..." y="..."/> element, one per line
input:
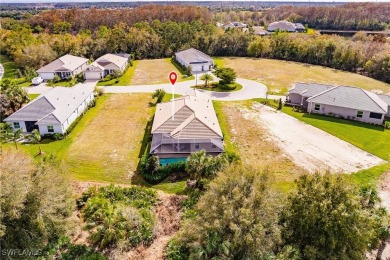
<point x="206" y="77"/>
<point x="36" y="138"/>
<point x="15" y="135"/>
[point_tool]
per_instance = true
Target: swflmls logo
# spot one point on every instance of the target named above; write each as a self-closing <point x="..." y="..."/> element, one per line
<point x="18" y="252"/>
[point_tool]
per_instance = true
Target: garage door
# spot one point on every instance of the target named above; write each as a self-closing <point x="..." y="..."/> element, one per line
<point x="92" y="75"/>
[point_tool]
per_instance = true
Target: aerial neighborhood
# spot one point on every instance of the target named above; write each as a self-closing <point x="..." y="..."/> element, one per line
<point x="202" y="130"/>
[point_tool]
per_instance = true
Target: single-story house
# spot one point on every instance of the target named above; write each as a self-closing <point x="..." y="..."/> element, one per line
<point x="340" y="101"/>
<point x="186" y="125"/>
<point x="196" y="59"/>
<point x="105" y="65"/>
<point x="233" y="25"/>
<point x="300" y="92"/>
<point x="54" y="111"/>
<point x="386" y="99"/>
<point x="65" y="67"/>
<point x="286" y="27"/>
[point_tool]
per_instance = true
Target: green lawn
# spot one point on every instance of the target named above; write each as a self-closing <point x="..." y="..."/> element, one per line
<point x="371" y="138"/>
<point x="124" y="80"/>
<point x="33" y="96"/>
<point x="9" y="67"/>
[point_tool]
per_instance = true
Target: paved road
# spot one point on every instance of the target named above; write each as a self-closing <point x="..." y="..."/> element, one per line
<point x="1" y="71"/>
<point x="251" y="89"/>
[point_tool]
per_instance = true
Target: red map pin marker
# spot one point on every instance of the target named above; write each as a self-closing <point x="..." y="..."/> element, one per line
<point x="173" y="77"/>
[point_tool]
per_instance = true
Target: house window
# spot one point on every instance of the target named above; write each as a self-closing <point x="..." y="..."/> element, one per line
<point x="375" y="115"/>
<point x="197" y="146"/>
<point x="50" y="129"/>
<point x="16" y="125"/>
<point x="359" y="114"/>
<point x="317" y="107"/>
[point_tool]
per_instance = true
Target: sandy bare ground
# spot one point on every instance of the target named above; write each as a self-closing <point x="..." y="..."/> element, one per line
<point x="308" y="146"/>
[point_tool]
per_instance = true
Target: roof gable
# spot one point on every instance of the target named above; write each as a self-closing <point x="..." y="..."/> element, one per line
<point x="193" y="56"/>
<point x="33" y="111"/>
<point x="65" y="63"/>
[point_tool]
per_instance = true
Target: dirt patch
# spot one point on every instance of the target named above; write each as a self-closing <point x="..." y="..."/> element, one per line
<point x="308" y="146"/>
<point x="150" y="72"/>
<point x="168" y="216"/>
<point x="255" y="146"/>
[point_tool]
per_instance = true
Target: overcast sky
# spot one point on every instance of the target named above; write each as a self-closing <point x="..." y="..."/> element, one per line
<point x="51" y="1"/>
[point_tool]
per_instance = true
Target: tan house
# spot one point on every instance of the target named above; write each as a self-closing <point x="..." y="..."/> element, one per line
<point x="186" y="125"/>
<point x="105" y="65"/>
<point x="340" y="101"/>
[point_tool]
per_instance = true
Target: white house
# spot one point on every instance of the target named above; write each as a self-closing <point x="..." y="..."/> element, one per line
<point x="65" y="67"/>
<point x="286" y="26"/>
<point x="196" y="59"/>
<point x="105" y="65"/>
<point x="54" y="111"/>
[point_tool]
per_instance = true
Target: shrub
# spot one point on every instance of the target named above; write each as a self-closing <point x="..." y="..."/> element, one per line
<point x="227" y="86"/>
<point x="387" y="124"/>
<point x="55" y="136"/>
<point x="153" y="173"/>
<point x="116" y="214"/>
<point x="227" y="75"/>
<point x="56" y="79"/>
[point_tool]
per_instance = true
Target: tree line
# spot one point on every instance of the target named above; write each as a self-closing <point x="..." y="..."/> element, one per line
<point x="32" y="44"/>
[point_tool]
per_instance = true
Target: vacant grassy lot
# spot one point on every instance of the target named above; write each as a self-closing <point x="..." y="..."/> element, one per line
<point x="250" y="141"/>
<point x="156" y="71"/>
<point x="124" y="80"/>
<point x="371" y="138"/>
<point x="278" y="75"/>
<point x="108" y="148"/>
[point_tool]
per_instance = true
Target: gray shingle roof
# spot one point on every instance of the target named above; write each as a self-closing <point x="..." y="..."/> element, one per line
<point x="309" y="89"/>
<point x="193" y="56"/>
<point x="385" y="98"/>
<point x="55" y="106"/>
<point x="65" y="63"/>
<point x="194" y="117"/>
<point x="351" y="97"/>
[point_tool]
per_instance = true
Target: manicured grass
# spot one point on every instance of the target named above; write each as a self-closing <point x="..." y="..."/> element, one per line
<point x="371" y="138"/>
<point x="279" y="76"/>
<point x="124" y="80"/>
<point x="226" y="130"/>
<point x="9" y="67"/>
<point x="33" y="96"/>
<point x="218" y="87"/>
<point x="369" y="176"/>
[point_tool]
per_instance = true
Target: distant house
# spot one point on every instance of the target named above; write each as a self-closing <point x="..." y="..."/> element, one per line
<point x="286" y="26"/>
<point x="340" y="101"/>
<point x="233" y="25"/>
<point x="196" y="59"/>
<point x="259" y="30"/>
<point x="186" y="125"/>
<point x="105" y="65"/>
<point x="54" y="111"/>
<point x="65" y="67"/>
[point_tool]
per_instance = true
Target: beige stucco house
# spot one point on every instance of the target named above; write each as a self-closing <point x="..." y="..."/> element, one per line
<point x="197" y="60"/>
<point x="65" y="67"/>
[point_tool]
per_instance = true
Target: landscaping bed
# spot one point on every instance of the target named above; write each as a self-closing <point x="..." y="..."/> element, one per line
<point x="217" y="87"/>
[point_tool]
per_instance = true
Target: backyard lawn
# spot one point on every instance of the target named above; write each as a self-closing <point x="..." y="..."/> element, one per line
<point x="124" y="80"/>
<point x="371" y="138"/>
<point x="279" y="76"/>
<point x="155" y="71"/>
